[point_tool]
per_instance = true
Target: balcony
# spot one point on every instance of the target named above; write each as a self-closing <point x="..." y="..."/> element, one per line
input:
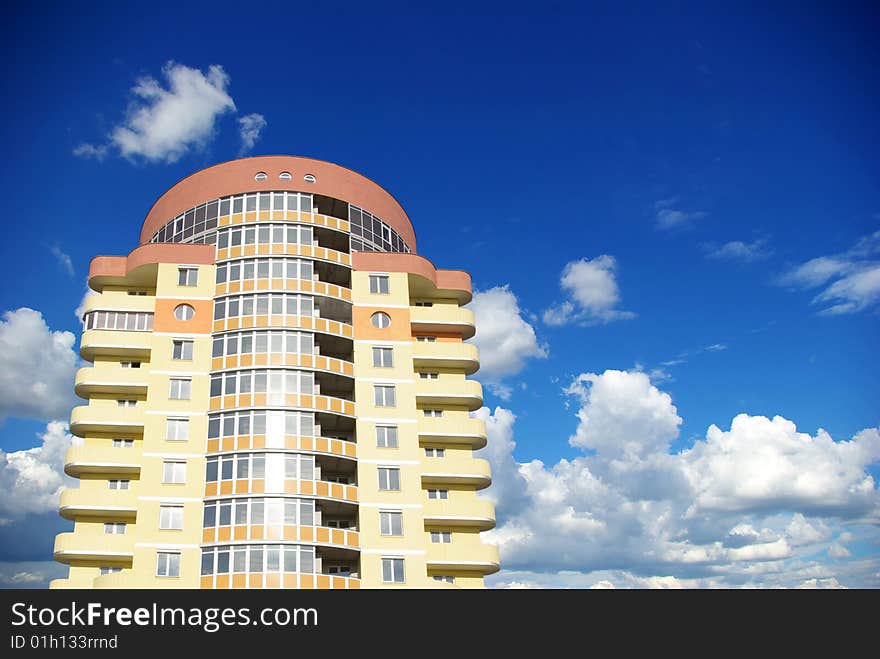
<point x="119" y="301"/>
<point x="473" y="513"/>
<point x="90" y="380"/>
<point x="443" y="319"/>
<point x="457" y="429"/>
<point x="78" y="503"/>
<point x="102" y="460"/>
<point x="120" y="343"/>
<point x="478" y="558"/>
<point x="457" y="471"/>
<point x="80" y="547"/>
<point x="446" y="354"/>
<point x="86" y="419"/>
<point x="449" y="391"/>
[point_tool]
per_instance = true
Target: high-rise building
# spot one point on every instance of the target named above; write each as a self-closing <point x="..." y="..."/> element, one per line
<point x="277" y="396"/>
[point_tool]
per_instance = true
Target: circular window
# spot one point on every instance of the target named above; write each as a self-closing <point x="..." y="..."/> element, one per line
<point x="261" y="176"/>
<point x="285" y="176"/>
<point x="184" y="312"/>
<point x="380" y="320"/>
<point x="309" y="178"/>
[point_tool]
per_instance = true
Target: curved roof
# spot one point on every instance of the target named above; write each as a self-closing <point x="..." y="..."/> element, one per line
<point x="235" y="176"/>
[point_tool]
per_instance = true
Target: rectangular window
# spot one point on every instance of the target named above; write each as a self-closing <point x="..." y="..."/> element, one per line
<point x="426" y="339"/>
<point x="130" y="364"/>
<point x="392" y="570"/>
<point x="171" y="518"/>
<point x="433" y="413"/>
<point x="383" y="357"/>
<point x="123" y="443"/>
<point x="168" y="564"/>
<point x="438" y="494"/>
<point x="177" y="430"/>
<point x="117" y="484"/>
<point x="379" y="284"/>
<point x="425" y="375"/>
<point x="109" y="570"/>
<point x="442" y="537"/>
<point x="391" y="523"/>
<point x="114" y="528"/>
<point x="182" y="350"/>
<point x="384" y="395"/>
<point x="435" y="452"/>
<point x="389" y="478"/>
<point x="424" y="304"/>
<point x="444" y="577"/>
<point x="126" y="403"/>
<point x="180" y="388"/>
<point x="173" y="471"/>
<point x="187" y="276"/>
<point x="386" y="436"/>
<point x="137" y="292"/>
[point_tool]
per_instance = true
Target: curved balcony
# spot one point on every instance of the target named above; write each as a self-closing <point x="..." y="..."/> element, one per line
<point x="82" y="503"/>
<point x="450" y="430"/>
<point x="338" y="448"/>
<point x="481" y="559"/>
<point x="315" y="488"/>
<point x="90" y="380"/>
<point x="446" y="354"/>
<point x="314" y="362"/>
<point x="86" y="419"/>
<point x="449" y="392"/>
<point x="317" y="535"/>
<point x="474" y="513"/>
<point x="276" y="285"/>
<point x="458" y="471"/>
<point x="113" y="580"/>
<point x="311" y="323"/>
<point x="102" y="460"/>
<point x="287" y="580"/>
<point x="119" y="301"/>
<point x="119" y="343"/>
<point x="80" y="547"/>
<point x="443" y="319"/>
<point x="286" y="249"/>
<point x="309" y="402"/>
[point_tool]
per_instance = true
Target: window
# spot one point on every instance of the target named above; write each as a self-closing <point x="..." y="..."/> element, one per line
<point x="424" y="304"/>
<point x="126" y="403"/>
<point x="386" y="436"/>
<point x="285" y="176"/>
<point x="433" y="413"/>
<point x="391" y="523"/>
<point x="392" y="570"/>
<point x="182" y="350"/>
<point x="177" y="430"/>
<point x="442" y="537"/>
<point x="426" y="339"/>
<point x="109" y="570"/>
<point x="171" y="518"/>
<point x="114" y="528"/>
<point x="380" y="320"/>
<point x="174" y="472"/>
<point x="118" y="320"/>
<point x="167" y="564"/>
<point x="379" y="284"/>
<point x="438" y="494"/>
<point x="184" y="312"/>
<point x="444" y="577"/>
<point x="187" y="276"/>
<point x="260" y="176"/>
<point x="123" y="443"/>
<point x="384" y="395"/>
<point x="389" y="478"/>
<point x="309" y="178"/>
<point x="435" y="452"/>
<point x="137" y="292"/>
<point x="424" y="375"/>
<point x="180" y="388"/>
<point x="130" y="364"/>
<point x="383" y="357"/>
<point x="117" y="484"/>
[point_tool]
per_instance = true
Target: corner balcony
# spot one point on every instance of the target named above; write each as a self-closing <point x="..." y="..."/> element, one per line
<point x="86" y="419"/>
<point x="87" y="459"/>
<point x="446" y="354"/>
<point x="443" y="319"/>
<point x="90" y="380"/>
<point x="80" y="547"/>
<point x="473" y="513"/>
<point x="457" y="471"/>
<point x="76" y="503"/>
<point x="449" y="392"/>
<point x="480" y="559"/>
<point x="452" y="430"/>
<point x="121" y="343"/>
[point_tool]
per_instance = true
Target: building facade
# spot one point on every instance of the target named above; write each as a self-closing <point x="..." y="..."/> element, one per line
<point x="277" y="396"/>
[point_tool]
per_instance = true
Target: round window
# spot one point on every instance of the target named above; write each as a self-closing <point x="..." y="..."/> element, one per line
<point x="380" y="320"/>
<point x="285" y="176"/>
<point x="261" y="176"/>
<point x="309" y="178"/>
<point x="184" y="312"/>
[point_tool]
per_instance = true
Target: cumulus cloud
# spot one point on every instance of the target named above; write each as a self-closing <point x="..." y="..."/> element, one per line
<point x="63" y="260"/>
<point x="37" y="367"/>
<point x="591" y="285"/>
<point x="249" y="128"/>
<point x="668" y="216"/>
<point x="749" y="506"/>
<point x="504" y="338"/>
<point x="851" y="280"/>
<point x="737" y="250"/>
<point x="164" y="122"/>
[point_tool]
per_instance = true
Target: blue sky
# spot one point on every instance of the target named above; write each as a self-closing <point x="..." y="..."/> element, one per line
<point x="685" y="167"/>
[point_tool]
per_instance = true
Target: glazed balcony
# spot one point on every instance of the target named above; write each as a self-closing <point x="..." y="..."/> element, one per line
<point x="457" y="471"/>
<point x="123" y="381"/>
<point x="472" y="513"/>
<point x="105" y="418"/>
<point x="117" y="343"/>
<point x="478" y="558"/>
<point x="86" y="459"/>
<point x="449" y="391"/>
<point x="81" y="547"/>
<point x="443" y="319"/>
<point x="77" y="503"/>
<point x="446" y="354"/>
<point x="451" y="429"/>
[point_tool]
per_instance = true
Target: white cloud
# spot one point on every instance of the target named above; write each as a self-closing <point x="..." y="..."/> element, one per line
<point x="80" y="309"/>
<point x="30" y="574"/>
<point x="737" y="250"/>
<point x="591" y="285"/>
<point x="63" y="260"/>
<point x="851" y="278"/>
<point x="163" y="123"/>
<point x="668" y="217"/>
<point x="37" y="367"/>
<point x="504" y="338"/>
<point x="249" y="128"/>
<point x="837" y="550"/>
